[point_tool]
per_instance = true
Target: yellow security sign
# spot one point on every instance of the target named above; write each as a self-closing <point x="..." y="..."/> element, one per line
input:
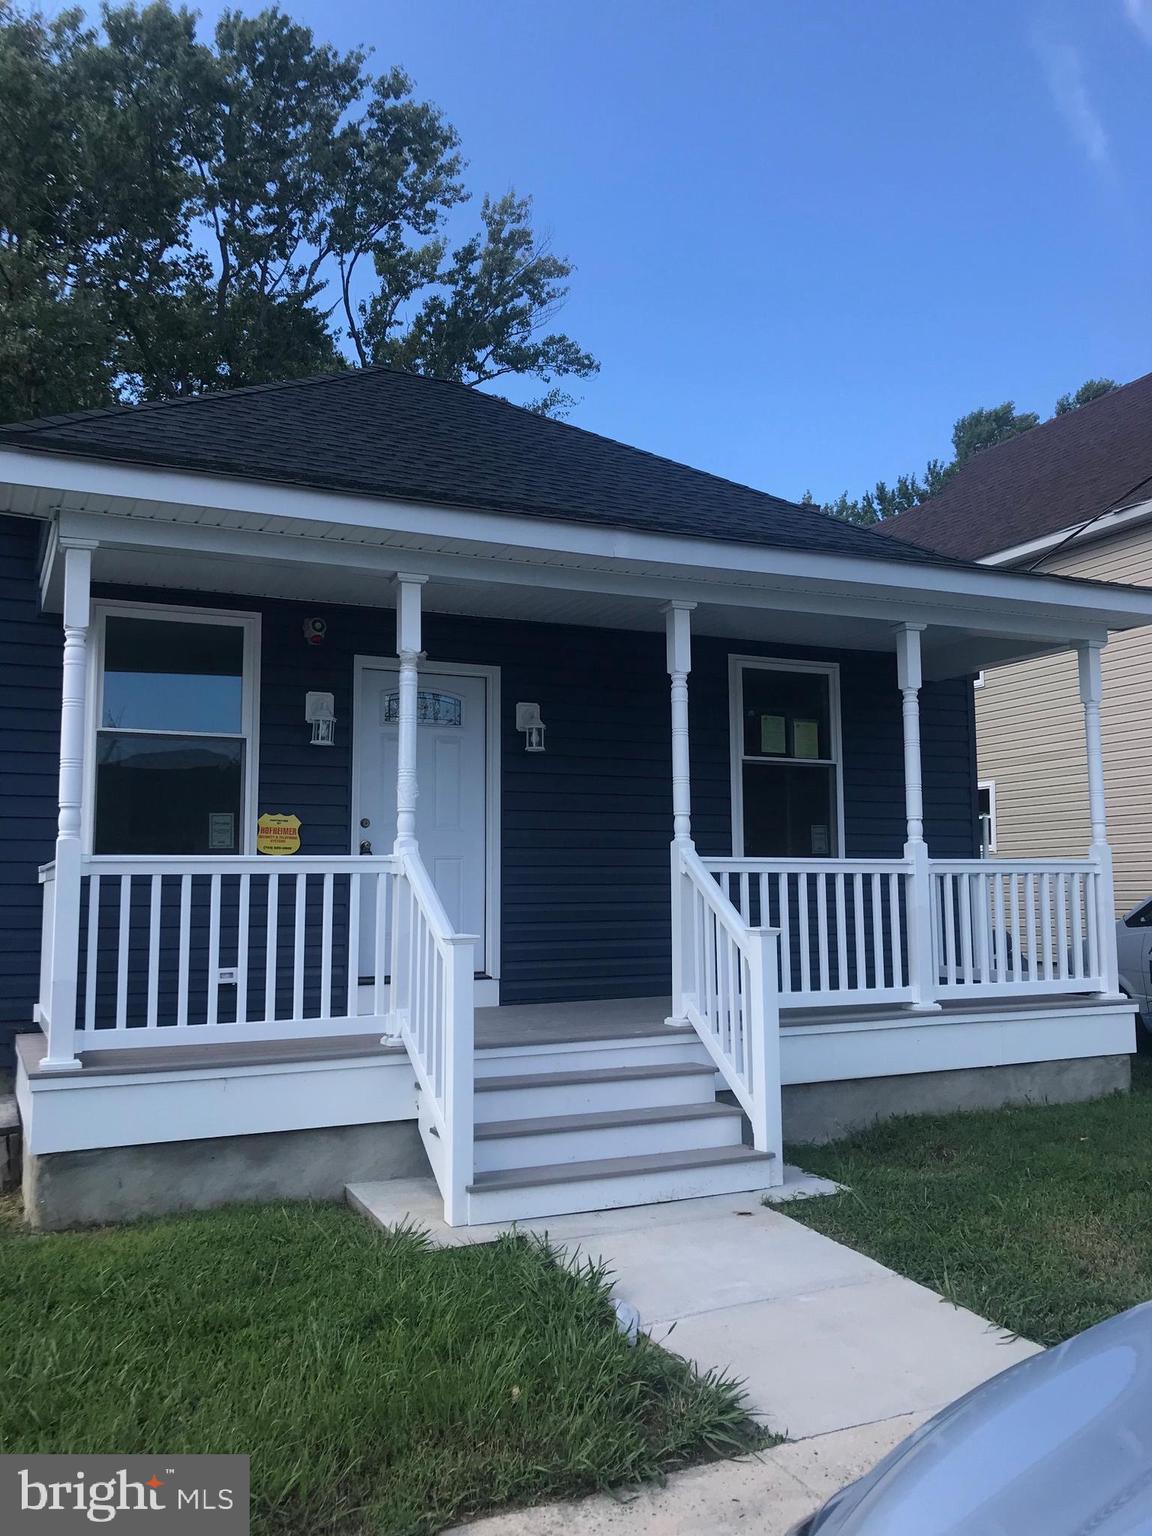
<point x="277" y="834"/>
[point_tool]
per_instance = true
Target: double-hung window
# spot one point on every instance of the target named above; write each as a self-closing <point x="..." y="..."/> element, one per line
<point x="174" y="741"/>
<point x="785" y="759"/>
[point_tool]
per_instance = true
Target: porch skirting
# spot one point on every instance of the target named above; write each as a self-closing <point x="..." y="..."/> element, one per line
<point x="816" y="1112"/>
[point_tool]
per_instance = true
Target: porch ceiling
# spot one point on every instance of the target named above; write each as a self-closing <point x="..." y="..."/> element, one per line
<point x="948" y="650"/>
<point x="266" y="541"/>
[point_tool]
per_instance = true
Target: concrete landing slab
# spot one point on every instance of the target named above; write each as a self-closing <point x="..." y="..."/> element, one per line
<point x="755" y="1496"/>
<point x="391" y="1202"/>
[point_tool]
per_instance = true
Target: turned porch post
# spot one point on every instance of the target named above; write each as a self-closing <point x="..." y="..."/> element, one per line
<point x="1100" y="852"/>
<point x="408" y="647"/>
<point x="921" y="949"/>
<point x="65" y="908"/>
<point x="678" y="635"/>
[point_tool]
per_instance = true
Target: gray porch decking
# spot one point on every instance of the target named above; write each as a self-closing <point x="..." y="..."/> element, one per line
<point x="509" y="1028"/>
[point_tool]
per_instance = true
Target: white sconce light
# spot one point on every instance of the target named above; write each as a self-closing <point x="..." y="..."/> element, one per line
<point x="320" y="714"/>
<point x="528" y="720"/>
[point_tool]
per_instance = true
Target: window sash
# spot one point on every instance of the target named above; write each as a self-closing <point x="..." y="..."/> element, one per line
<point x="242" y="619"/>
<point x="740" y="760"/>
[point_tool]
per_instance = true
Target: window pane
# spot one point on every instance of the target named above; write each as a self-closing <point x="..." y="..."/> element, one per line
<point x="789" y="812"/>
<point x="167" y="794"/>
<point x="168" y="676"/>
<point x="786" y="714"/>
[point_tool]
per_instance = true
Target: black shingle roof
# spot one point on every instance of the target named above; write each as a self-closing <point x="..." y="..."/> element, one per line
<point x="380" y="432"/>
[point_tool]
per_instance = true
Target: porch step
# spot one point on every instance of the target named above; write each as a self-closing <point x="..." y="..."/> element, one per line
<point x="556" y="1189"/>
<point x="523" y="1095"/>
<point x="544" y="1139"/>
<point x="662" y="1048"/>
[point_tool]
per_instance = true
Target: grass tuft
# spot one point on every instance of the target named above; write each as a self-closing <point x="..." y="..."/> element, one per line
<point x="380" y="1386"/>
<point x="1038" y="1217"/>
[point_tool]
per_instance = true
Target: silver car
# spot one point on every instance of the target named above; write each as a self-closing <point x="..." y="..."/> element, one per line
<point x="1059" y="1445"/>
<point x="1134" y="952"/>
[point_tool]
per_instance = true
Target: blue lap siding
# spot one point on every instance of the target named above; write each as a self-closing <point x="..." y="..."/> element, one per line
<point x="31" y="649"/>
<point x="586" y="824"/>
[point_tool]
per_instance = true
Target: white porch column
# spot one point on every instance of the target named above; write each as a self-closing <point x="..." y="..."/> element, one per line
<point x="678" y="628"/>
<point x="65" y="910"/>
<point x="678" y="633"/>
<point x="408" y="648"/>
<point x="1091" y="693"/>
<point x="921" y="947"/>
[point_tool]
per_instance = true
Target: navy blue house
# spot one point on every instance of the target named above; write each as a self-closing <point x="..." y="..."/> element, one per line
<point x="372" y="724"/>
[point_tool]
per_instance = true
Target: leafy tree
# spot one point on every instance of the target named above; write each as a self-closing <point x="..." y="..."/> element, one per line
<point x="1090" y="390"/>
<point x="987" y="426"/>
<point x="971" y="434"/>
<point x="180" y="215"/>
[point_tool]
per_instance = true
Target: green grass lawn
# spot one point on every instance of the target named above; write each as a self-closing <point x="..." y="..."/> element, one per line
<point x="1039" y="1217"/>
<point x="378" y="1385"/>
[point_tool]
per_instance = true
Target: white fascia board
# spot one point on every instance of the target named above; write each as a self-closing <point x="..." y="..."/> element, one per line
<point x="1076" y="533"/>
<point x="1048" y="628"/>
<point x="514" y="538"/>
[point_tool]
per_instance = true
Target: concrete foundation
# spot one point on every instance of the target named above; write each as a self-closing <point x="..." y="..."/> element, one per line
<point x="815" y="1112"/>
<point x="9" y="1142"/>
<point x="73" y="1189"/>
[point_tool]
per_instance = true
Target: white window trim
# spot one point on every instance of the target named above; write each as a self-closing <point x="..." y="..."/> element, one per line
<point x="250" y="708"/>
<point x="736" y="668"/>
<point x="990" y="786"/>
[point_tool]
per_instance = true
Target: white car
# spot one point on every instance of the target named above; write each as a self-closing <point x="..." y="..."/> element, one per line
<point x="1134" y="952"/>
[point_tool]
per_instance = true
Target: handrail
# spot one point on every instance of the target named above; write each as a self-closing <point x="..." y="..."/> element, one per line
<point x="433" y="1007"/>
<point x="725" y="986"/>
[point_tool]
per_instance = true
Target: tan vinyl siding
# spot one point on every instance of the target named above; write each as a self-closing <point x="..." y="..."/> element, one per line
<point x="1031" y="735"/>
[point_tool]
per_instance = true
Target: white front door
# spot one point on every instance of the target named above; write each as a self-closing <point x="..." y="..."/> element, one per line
<point x="451" y="770"/>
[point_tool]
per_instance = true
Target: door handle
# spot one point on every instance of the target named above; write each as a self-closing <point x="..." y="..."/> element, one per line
<point x="365" y="845"/>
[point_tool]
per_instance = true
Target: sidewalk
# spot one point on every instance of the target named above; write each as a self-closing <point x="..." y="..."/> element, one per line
<point x="836" y="1352"/>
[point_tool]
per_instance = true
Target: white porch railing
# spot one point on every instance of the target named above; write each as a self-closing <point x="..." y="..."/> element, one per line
<point x="996" y="928"/>
<point x="1017" y="927"/>
<point x="201" y="950"/>
<point x="726" y="987"/>
<point x="434" y="1010"/>
<point x="842" y="924"/>
<point x="204" y="950"/>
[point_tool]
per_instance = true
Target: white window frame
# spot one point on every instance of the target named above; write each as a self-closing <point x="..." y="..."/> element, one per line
<point x="736" y="669"/>
<point x="990" y="786"/>
<point x="249" y="732"/>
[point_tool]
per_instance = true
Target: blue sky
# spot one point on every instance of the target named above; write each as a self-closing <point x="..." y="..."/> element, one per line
<point x="810" y="233"/>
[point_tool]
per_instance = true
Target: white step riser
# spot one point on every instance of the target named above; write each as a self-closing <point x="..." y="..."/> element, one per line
<point x="577" y="1098"/>
<point x="591" y="1058"/>
<point x="574" y="1146"/>
<point x="610" y="1194"/>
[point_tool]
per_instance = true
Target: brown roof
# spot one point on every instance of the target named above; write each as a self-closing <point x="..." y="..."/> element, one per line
<point x="1056" y="476"/>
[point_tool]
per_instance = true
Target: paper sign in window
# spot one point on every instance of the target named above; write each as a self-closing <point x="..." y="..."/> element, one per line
<point x="221" y="831"/>
<point x="806" y="738"/>
<point x="773" y="735"/>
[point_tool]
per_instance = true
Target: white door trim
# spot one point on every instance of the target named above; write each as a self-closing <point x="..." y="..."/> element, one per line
<point x="492" y="830"/>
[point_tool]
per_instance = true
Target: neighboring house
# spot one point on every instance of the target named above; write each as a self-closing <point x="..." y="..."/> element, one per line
<point x="1072" y="497"/>
<point x="416" y="781"/>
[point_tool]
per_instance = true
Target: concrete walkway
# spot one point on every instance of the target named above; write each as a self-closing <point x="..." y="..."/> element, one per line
<point x="835" y="1351"/>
